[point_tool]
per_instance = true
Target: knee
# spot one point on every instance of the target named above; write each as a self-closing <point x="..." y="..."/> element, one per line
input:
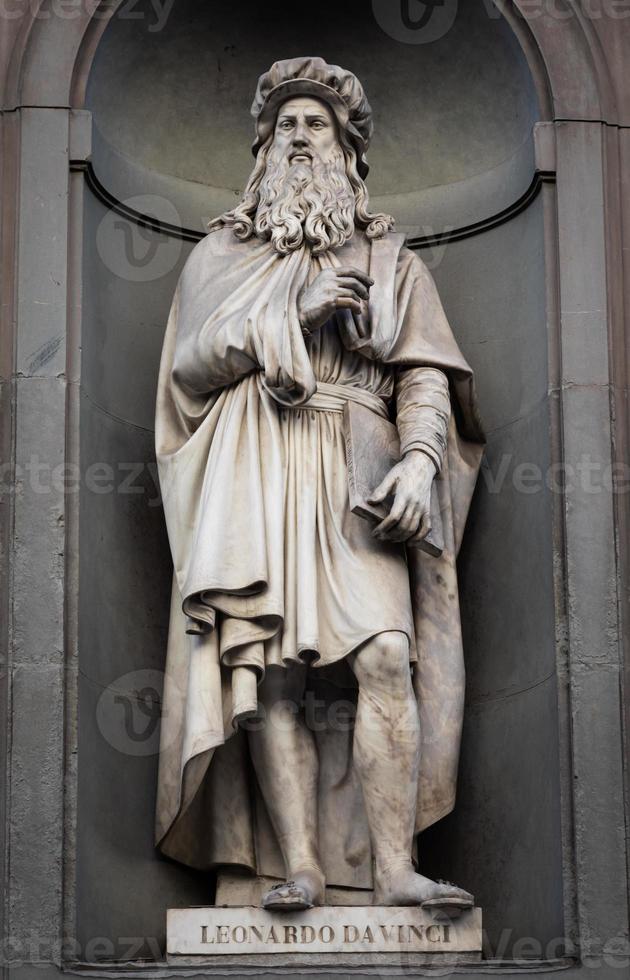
<point x="384" y="662"/>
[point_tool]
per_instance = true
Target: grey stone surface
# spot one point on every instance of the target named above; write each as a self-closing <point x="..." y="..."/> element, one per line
<point x="510" y="642"/>
<point x="36" y="605"/>
<point x="38" y="534"/>
<point x="41" y="308"/>
<point x="596" y="708"/>
<point x="576" y="92"/>
<point x="126" y="317"/>
<point x="501" y="329"/>
<point x="36" y="807"/>
<point x="513" y="861"/>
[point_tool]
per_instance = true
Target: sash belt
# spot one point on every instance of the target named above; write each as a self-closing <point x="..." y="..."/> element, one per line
<point x="332" y="398"/>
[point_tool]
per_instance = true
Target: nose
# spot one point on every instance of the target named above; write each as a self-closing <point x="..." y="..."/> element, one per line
<point x="300" y="136"/>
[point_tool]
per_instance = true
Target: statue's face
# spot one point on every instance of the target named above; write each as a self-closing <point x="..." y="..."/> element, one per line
<point x="305" y="126"/>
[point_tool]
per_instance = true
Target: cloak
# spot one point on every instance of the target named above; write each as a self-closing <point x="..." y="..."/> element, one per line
<point x="233" y="354"/>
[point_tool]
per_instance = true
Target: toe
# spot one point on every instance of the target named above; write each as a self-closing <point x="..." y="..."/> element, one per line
<point x="289" y="896"/>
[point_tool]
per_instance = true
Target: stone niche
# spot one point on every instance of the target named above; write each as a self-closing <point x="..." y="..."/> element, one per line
<point x="453" y="145"/>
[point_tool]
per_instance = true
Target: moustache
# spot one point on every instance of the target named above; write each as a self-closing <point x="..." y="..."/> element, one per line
<point x="300" y="153"/>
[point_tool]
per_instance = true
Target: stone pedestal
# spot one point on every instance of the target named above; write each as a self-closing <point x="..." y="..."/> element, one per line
<point x="361" y="935"/>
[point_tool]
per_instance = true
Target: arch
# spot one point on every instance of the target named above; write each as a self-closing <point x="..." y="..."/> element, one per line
<point x="52" y="56"/>
<point x="579" y="83"/>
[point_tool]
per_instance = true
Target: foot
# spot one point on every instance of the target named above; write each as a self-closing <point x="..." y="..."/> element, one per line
<point x="402" y="886"/>
<point x="301" y="891"/>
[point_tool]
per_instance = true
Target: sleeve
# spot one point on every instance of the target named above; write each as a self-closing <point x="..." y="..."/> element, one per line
<point x="423" y="409"/>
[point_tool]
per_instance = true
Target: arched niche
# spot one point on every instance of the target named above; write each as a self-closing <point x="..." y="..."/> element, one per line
<point x="453" y="146"/>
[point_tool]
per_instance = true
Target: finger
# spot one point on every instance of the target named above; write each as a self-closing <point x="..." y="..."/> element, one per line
<point x="383" y="490"/>
<point x="391" y="520"/>
<point x="348" y="303"/>
<point x="410" y="520"/>
<point x="347" y="294"/>
<point x="353" y="270"/>
<point x="350" y="270"/>
<point x="406" y="525"/>
<point x="425" y="525"/>
<point x="351" y="282"/>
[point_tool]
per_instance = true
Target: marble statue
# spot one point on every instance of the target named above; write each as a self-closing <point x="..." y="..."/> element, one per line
<point x="286" y="605"/>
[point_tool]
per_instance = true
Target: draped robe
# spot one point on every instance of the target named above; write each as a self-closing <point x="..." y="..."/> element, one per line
<point x="234" y="361"/>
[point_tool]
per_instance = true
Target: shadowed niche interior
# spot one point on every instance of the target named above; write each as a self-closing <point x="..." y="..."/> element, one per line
<point x="453" y="144"/>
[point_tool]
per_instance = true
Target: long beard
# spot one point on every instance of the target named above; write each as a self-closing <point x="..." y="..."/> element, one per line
<point x="299" y="203"/>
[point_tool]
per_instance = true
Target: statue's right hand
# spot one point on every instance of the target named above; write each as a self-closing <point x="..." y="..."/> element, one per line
<point x="333" y="289"/>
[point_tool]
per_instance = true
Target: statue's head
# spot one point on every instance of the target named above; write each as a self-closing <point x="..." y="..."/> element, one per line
<point x="305" y="132"/>
<point x="313" y="127"/>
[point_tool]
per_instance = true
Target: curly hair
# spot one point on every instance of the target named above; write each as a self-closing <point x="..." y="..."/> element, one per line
<point x="242" y="218"/>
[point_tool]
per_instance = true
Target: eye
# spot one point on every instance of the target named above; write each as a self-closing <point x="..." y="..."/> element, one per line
<point x="317" y="124"/>
<point x="286" y="124"/>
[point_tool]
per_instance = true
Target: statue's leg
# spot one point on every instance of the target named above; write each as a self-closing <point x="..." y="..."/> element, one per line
<point x="387" y="755"/>
<point x="285" y="761"/>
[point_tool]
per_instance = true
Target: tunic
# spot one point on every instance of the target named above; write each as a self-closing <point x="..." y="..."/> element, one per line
<point x="341" y="586"/>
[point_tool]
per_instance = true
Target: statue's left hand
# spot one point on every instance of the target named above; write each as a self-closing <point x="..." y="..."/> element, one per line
<point x="410" y="483"/>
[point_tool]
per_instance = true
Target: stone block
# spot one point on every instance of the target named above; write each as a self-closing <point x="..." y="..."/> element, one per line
<point x="356" y="933"/>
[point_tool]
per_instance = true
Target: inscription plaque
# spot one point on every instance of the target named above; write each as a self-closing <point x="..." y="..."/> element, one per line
<point x="347" y="929"/>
